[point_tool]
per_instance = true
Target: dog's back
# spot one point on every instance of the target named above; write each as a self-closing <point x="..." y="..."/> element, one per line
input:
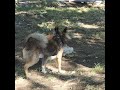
<point x="36" y="40"/>
<point x="34" y="43"/>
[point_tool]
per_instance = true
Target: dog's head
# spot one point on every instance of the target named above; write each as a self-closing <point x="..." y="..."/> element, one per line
<point x="61" y="37"/>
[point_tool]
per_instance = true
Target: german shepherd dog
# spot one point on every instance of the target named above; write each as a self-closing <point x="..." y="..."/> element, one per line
<point x="44" y="47"/>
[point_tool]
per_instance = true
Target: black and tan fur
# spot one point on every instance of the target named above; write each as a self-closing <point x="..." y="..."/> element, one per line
<point x="44" y="47"/>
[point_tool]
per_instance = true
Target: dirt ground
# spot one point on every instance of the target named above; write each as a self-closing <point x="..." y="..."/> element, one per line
<point x="78" y="71"/>
<point x="78" y="68"/>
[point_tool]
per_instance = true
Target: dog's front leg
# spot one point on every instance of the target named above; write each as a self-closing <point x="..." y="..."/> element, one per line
<point x="59" y="64"/>
<point x="59" y="59"/>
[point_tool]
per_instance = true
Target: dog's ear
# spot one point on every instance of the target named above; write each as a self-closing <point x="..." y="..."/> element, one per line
<point x="56" y="30"/>
<point x="65" y="30"/>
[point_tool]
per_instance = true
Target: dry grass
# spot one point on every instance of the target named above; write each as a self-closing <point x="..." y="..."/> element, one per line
<point x="87" y="28"/>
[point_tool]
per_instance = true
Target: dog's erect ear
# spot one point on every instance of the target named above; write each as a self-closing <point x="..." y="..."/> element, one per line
<point x="65" y="30"/>
<point x="65" y="33"/>
<point x="56" y="30"/>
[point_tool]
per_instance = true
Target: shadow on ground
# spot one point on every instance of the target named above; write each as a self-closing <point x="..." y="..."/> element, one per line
<point x="86" y="26"/>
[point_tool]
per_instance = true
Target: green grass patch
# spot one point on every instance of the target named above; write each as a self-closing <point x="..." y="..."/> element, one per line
<point x="99" y="68"/>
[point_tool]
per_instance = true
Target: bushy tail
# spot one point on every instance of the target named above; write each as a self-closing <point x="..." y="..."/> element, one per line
<point x="36" y="40"/>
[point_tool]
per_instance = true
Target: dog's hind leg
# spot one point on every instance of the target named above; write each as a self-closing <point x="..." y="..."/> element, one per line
<point x="44" y="61"/>
<point x="44" y="65"/>
<point x="33" y="60"/>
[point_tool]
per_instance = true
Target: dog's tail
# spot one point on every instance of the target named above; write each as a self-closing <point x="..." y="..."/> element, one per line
<point x="36" y="40"/>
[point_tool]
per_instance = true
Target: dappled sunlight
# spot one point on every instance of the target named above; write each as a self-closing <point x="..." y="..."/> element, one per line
<point x="87" y="30"/>
<point x="77" y="35"/>
<point x="22" y="84"/>
<point x="88" y="26"/>
<point x="53" y="8"/>
<point x="83" y="9"/>
<point x="61" y="9"/>
<point x="63" y="72"/>
<point x="91" y="41"/>
<point x="98" y="77"/>
<point x="37" y="77"/>
<point x="49" y="25"/>
<point x="86" y="71"/>
<point x="31" y="83"/>
<point x="66" y="22"/>
<point x="67" y="79"/>
<point x="84" y="68"/>
<point x="21" y="12"/>
<point x="50" y="81"/>
<point x="65" y="86"/>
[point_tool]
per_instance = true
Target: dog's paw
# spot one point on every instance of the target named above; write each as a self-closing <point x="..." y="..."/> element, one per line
<point x="44" y="71"/>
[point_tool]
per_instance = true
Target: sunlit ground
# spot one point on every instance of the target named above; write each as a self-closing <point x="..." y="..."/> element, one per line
<point x="82" y="70"/>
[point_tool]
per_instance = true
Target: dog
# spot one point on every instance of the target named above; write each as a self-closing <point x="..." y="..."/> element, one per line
<point x="44" y="47"/>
